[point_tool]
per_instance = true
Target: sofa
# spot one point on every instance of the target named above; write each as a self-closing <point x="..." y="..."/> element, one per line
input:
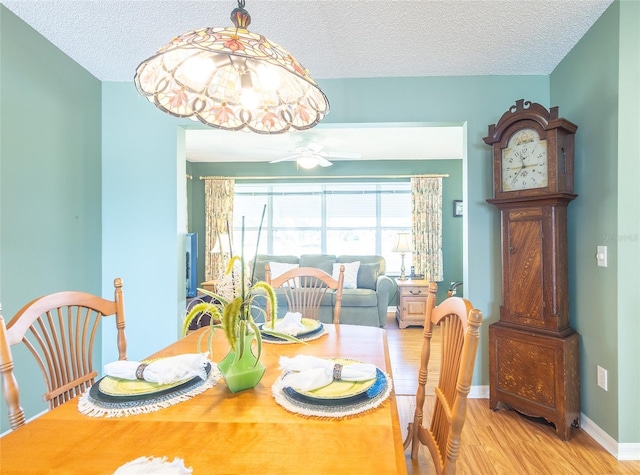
<point x="364" y="304"/>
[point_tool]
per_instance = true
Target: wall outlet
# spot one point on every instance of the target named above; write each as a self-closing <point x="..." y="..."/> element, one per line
<point x="602" y="378"/>
<point x="601" y="256"/>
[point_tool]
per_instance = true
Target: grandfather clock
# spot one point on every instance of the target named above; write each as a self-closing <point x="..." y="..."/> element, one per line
<point x="533" y="352"/>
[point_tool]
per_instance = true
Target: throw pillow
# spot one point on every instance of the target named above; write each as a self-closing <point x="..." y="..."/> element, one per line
<point x="350" y="274"/>
<point x="279" y="268"/>
<point x="368" y="275"/>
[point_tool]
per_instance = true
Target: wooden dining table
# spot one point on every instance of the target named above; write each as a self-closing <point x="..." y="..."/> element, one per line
<point x="220" y="432"/>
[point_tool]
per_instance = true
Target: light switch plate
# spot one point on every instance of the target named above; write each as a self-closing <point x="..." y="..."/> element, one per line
<point x="602" y="378"/>
<point x="601" y="256"/>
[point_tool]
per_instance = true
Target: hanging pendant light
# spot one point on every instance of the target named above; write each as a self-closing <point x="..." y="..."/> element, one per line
<point x="230" y="78"/>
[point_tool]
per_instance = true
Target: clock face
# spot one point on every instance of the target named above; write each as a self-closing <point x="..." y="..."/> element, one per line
<point x="524" y="162"/>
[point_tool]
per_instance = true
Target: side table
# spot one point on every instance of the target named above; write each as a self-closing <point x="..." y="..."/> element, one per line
<point x="412" y="302"/>
<point x="209" y="285"/>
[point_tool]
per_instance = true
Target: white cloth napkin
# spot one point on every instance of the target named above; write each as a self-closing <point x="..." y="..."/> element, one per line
<point x="162" y="371"/>
<point x="306" y="373"/>
<point x="155" y="465"/>
<point x="291" y="324"/>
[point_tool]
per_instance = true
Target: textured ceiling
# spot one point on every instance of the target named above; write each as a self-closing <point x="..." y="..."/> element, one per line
<point x="332" y="39"/>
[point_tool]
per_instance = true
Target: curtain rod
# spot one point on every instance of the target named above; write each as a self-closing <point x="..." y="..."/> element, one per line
<point x="441" y="175"/>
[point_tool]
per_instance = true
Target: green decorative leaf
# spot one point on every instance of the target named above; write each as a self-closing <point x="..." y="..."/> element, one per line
<point x="198" y="311"/>
<point x="284" y="336"/>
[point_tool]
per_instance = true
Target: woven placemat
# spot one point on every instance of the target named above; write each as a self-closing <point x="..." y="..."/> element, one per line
<point x="333" y="410"/>
<point x="93" y="407"/>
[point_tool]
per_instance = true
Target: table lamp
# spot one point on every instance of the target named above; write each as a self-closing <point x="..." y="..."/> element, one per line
<point x="403" y="245"/>
<point x="221" y="245"/>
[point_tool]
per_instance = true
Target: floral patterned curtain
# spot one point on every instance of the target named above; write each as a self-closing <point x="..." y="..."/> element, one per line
<point x="218" y="211"/>
<point x="426" y="204"/>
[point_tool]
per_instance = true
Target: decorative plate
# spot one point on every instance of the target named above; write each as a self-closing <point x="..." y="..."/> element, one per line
<point x="339" y="389"/>
<point x="377" y="387"/>
<point x="116" y="389"/>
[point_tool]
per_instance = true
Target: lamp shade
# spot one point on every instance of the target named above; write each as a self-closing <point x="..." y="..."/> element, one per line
<point x="403" y="243"/>
<point x="221" y="245"/>
<point x="233" y="79"/>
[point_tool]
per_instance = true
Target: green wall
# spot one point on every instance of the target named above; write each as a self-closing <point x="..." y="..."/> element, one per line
<point x="602" y="98"/>
<point x="50" y="206"/>
<point x="451" y="190"/>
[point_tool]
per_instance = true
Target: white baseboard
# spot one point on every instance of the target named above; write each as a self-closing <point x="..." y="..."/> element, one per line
<point x="479" y="392"/>
<point x="629" y="451"/>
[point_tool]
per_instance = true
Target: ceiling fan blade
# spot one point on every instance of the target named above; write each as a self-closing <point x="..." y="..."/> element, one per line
<point x="323" y="162"/>
<point x="351" y="155"/>
<point x="290" y="157"/>
<point x="314" y="147"/>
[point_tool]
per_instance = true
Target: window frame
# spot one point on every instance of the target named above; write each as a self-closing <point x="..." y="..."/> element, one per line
<point x="323" y="190"/>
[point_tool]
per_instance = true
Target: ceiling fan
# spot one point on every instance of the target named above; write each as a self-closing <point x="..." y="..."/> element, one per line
<point x="313" y="154"/>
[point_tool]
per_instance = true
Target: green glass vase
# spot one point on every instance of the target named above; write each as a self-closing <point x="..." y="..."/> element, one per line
<point x="243" y="372"/>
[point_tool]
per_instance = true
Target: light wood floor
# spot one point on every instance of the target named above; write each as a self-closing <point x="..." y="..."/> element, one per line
<point x="503" y="442"/>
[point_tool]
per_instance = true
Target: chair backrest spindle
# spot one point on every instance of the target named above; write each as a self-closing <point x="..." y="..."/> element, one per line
<point x="304" y="289"/>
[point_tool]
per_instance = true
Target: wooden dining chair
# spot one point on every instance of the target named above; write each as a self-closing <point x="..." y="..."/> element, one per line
<point x="59" y="330"/>
<point x="305" y="288"/>
<point x="459" y="332"/>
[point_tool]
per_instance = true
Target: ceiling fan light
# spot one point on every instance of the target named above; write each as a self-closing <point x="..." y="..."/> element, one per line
<point x="307" y="162"/>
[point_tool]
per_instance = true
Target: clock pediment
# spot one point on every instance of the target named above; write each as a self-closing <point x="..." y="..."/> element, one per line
<point x="521" y="111"/>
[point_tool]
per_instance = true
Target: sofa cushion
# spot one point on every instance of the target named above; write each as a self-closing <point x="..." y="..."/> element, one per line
<point x="350" y="273"/>
<point x="368" y="275"/>
<point x="319" y="261"/>
<point x="359" y="298"/>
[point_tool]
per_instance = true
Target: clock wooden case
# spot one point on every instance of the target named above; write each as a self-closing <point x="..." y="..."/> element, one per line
<point x="533" y="352"/>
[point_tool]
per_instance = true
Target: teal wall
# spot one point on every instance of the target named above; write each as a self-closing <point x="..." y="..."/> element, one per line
<point x="144" y="216"/>
<point x="91" y="189"/>
<point x="451" y="190"/>
<point x="50" y="163"/>
<point x="602" y="99"/>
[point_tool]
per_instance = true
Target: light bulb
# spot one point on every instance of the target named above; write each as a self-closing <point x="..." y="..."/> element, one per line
<point x="307" y="162"/>
<point x="249" y="99"/>
<point x="268" y="77"/>
<point x="195" y="72"/>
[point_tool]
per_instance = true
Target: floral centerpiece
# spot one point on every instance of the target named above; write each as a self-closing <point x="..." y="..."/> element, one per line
<point x="231" y="309"/>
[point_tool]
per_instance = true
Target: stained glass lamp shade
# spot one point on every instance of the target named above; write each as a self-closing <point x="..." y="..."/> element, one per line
<point x="233" y="79"/>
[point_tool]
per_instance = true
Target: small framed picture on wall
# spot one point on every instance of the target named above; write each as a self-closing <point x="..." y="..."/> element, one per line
<point x="457" y="208"/>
